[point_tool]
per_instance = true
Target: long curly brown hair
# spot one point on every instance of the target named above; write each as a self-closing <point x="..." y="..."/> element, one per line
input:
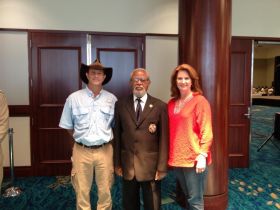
<point x="193" y="75"/>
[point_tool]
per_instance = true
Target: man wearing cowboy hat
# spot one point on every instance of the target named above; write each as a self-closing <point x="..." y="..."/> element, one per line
<point x="88" y="116"/>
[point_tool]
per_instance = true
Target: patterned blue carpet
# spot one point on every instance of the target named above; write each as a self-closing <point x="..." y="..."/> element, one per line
<point x="257" y="187"/>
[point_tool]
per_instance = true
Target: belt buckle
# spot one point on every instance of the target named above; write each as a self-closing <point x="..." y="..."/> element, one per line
<point x="101" y="145"/>
<point x="96" y="146"/>
<point x="91" y="147"/>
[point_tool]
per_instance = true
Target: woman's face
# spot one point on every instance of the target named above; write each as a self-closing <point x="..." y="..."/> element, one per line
<point x="184" y="82"/>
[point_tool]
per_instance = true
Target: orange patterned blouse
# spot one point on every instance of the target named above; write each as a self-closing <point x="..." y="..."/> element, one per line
<point x="190" y="132"/>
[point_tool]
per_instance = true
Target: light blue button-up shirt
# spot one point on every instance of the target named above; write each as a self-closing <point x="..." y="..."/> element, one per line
<point x="90" y="117"/>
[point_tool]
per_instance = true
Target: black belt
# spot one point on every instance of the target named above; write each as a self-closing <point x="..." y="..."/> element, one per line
<point x="93" y="146"/>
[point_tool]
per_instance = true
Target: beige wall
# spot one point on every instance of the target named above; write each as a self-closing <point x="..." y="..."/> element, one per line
<point x="14" y="67"/>
<point x="21" y="142"/>
<point x="145" y="16"/>
<point x="257" y="18"/>
<point x="267" y="51"/>
<point x="161" y="59"/>
<point x="263" y="72"/>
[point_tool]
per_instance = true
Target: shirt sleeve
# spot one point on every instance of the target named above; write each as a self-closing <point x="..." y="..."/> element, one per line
<point x="204" y="121"/>
<point x="163" y="140"/>
<point x="111" y="119"/>
<point x="117" y="129"/>
<point x="66" y="120"/>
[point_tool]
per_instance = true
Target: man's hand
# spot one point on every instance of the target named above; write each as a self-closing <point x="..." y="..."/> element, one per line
<point x="118" y="171"/>
<point x="160" y="175"/>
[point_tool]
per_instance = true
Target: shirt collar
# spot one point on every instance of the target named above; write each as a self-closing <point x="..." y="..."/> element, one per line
<point x="143" y="98"/>
<point x="90" y="93"/>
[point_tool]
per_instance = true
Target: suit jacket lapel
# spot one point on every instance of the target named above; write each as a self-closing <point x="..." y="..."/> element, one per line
<point x="130" y="108"/>
<point x="150" y="103"/>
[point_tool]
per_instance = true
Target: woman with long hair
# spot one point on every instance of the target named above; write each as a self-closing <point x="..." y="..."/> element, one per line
<point x="191" y="135"/>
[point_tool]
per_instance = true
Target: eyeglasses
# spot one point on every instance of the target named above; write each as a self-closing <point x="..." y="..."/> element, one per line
<point x="136" y="79"/>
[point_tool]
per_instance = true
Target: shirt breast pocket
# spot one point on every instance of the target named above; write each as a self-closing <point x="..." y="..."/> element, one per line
<point x="107" y="112"/>
<point x="81" y="117"/>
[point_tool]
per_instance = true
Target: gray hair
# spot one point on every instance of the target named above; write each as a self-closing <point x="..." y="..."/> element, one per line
<point x="140" y="69"/>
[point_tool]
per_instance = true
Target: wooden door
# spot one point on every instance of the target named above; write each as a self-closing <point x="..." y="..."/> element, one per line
<point x="239" y="105"/>
<point x="123" y="53"/>
<point x="55" y="62"/>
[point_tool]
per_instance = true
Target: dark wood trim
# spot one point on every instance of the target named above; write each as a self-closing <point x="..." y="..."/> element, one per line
<point x="29" y="71"/>
<point x="256" y="38"/>
<point x="91" y="32"/>
<point x="211" y="202"/>
<point x="19" y="110"/>
<point x="87" y="32"/>
<point x="19" y="171"/>
<point x="114" y="33"/>
<point x="242" y="37"/>
<point x="236" y="155"/>
<point x="13" y="29"/>
<point x="265" y="102"/>
<point x="56" y="162"/>
<point x="52" y="105"/>
<point x="144" y="52"/>
<point x="165" y="35"/>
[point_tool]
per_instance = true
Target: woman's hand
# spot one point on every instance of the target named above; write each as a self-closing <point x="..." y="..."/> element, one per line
<point x="201" y="163"/>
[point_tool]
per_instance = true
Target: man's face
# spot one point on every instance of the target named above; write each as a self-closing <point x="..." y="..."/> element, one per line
<point x="139" y="83"/>
<point x="95" y="77"/>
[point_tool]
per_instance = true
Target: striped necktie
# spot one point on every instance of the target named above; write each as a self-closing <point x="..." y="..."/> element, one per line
<point x="138" y="109"/>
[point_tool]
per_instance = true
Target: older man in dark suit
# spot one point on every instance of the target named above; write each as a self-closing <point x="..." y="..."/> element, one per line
<point x="141" y="144"/>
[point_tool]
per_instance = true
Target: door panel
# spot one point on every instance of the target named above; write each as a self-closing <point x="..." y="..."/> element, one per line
<point x="240" y="93"/>
<point x="55" y="64"/>
<point x="123" y="53"/>
<point x="56" y="59"/>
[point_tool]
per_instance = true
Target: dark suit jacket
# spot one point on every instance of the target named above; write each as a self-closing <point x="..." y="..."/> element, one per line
<point x="137" y="151"/>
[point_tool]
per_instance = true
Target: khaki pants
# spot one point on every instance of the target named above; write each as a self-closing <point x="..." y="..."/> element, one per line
<point x="1" y="167"/>
<point x="88" y="164"/>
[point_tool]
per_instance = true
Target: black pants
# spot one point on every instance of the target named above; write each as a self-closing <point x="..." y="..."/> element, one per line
<point x="150" y="194"/>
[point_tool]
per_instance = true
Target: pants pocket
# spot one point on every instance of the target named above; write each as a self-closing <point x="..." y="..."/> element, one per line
<point x="73" y="180"/>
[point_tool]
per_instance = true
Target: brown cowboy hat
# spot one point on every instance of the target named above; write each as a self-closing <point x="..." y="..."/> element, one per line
<point x="108" y="71"/>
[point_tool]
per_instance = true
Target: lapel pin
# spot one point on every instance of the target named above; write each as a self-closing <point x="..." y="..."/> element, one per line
<point x="152" y="128"/>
